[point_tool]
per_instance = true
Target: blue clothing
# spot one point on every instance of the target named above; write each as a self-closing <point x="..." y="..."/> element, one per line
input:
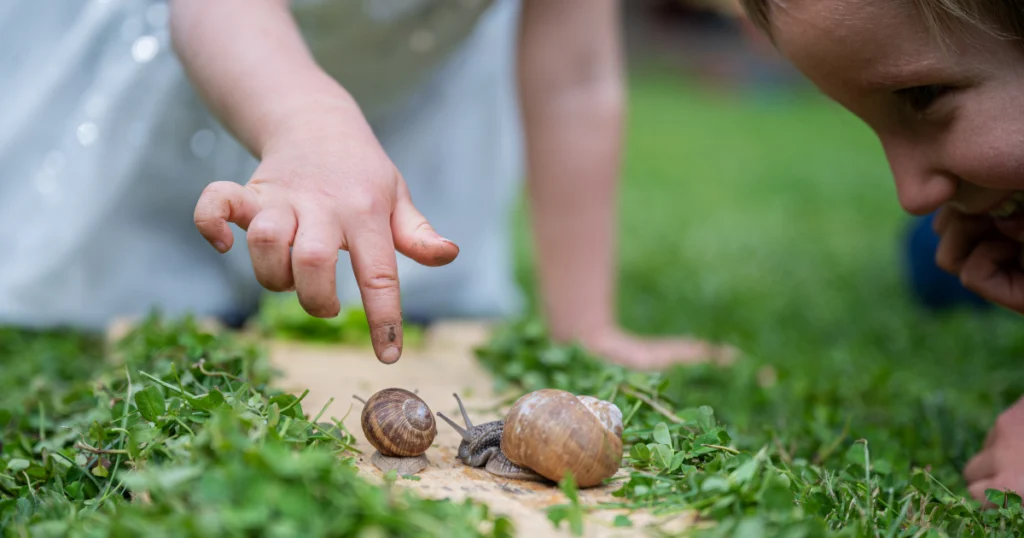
<point x="930" y="285"/>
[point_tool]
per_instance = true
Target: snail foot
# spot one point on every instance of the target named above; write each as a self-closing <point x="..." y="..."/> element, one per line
<point x="403" y="465"/>
<point x="499" y="465"/>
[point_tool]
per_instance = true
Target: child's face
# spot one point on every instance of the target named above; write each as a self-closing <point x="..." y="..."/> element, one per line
<point x="951" y="121"/>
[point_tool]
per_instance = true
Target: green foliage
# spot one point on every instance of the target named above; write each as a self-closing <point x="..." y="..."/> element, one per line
<point x="282" y="316"/>
<point x="683" y="458"/>
<point x="183" y="437"/>
<point x="771" y="223"/>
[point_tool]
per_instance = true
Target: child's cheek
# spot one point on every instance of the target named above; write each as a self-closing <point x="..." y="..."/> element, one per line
<point x="988" y="153"/>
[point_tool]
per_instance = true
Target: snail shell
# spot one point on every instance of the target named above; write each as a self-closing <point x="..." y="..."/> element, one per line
<point x="552" y="431"/>
<point x="398" y="423"/>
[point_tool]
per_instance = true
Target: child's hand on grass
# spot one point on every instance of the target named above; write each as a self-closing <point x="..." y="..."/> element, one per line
<point x="324" y="184"/>
<point x="987" y="261"/>
<point x="1000" y="464"/>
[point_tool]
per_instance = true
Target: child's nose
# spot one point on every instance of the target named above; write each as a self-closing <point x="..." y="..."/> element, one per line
<point x="926" y="195"/>
<point x="921" y="187"/>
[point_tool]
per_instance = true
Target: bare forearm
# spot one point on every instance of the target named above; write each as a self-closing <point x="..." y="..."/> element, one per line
<point x="573" y="102"/>
<point x="250" y="64"/>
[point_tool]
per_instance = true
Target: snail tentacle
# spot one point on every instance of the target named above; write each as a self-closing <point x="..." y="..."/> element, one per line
<point x="462" y="408"/>
<point x="462" y="432"/>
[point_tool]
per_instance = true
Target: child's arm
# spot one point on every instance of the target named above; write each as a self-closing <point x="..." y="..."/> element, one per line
<point x="573" y="99"/>
<point x="323" y="183"/>
<point x="572" y="94"/>
<point x="251" y="65"/>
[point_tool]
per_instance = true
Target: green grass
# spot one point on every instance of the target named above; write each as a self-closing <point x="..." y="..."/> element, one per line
<point x="770" y="224"/>
<point x="774" y="225"/>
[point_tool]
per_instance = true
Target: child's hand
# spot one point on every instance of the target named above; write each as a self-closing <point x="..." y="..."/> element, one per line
<point x="999" y="465"/>
<point x="987" y="261"/>
<point x="324" y="184"/>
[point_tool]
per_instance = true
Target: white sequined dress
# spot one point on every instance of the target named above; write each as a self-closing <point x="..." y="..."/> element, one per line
<point x="105" y="148"/>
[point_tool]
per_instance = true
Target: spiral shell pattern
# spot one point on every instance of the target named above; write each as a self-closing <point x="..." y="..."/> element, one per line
<point x="398" y="423"/>
<point x="552" y="431"/>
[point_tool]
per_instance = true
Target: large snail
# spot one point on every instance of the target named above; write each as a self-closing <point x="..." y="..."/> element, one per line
<point x="545" y="434"/>
<point x="400" y="426"/>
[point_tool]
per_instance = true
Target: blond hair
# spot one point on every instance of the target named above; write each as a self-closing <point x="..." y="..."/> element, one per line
<point x="1004" y="18"/>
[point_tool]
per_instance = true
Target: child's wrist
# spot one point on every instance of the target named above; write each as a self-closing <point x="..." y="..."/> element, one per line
<point x="313" y="114"/>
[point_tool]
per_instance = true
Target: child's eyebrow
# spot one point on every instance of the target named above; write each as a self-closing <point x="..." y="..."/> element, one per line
<point x="904" y="72"/>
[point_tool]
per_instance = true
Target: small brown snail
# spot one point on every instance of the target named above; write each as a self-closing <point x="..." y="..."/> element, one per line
<point x="545" y="434"/>
<point x="400" y="426"/>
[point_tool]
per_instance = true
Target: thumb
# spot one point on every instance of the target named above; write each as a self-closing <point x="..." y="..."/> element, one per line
<point x="220" y="203"/>
<point x="415" y="237"/>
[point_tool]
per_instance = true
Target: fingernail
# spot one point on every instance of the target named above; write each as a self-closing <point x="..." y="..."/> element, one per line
<point x="390" y="355"/>
<point x="220" y="246"/>
<point x="450" y="242"/>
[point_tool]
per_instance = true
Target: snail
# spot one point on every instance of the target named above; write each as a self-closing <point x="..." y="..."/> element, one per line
<point x="545" y="434"/>
<point x="400" y="427"/>
<point x="481" y="447"/>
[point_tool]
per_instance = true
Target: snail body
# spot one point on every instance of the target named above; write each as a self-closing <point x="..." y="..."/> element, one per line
<point x="481" y="447"/>
<point x="546" y="434"/>
<point x="400" y="426"/>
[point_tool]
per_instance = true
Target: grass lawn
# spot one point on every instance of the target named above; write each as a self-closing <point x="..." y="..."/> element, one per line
<point x="770" y="224"/>
<point x="773" y="224"/>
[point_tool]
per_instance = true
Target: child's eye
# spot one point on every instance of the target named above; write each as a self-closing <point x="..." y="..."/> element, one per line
<point x="920" y="98"/>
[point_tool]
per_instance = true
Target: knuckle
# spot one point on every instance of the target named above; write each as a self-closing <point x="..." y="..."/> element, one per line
<point x="971" y="281"/>
<point x="945" y="263"/>
<point x="381" y="280"/>
<point x="218" y="188"/>
<point x="365" y="205"/>
<point x="206" y="223"/>
<point x="968" y="280"/>
<point x="263" y="233"/>
<point x="212" y="204"/>
<point x="315" y="256"/>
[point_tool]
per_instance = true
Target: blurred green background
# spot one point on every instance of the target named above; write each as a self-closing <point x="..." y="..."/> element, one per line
<point x="756" y="212"/>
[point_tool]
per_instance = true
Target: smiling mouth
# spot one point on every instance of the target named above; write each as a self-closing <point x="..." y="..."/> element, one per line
<point x="1010" y="207"/>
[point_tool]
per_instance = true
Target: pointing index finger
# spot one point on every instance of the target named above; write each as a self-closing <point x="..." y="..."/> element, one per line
<point x="371" y="249"/>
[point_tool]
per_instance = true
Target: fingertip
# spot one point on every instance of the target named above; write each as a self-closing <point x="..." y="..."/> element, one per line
<point x="219" y="236"/>
<point x="431" y="250"/>
<point x="317" y="308"/>
<point x="978" y="467"/>
<point x="387" y="342"/>
<point x="390" y="355"/>
<point x="977" y="491"/>
<point x="447" y="252"/>
<point x="452" y="245"/>
<point x="221" y="203"/>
